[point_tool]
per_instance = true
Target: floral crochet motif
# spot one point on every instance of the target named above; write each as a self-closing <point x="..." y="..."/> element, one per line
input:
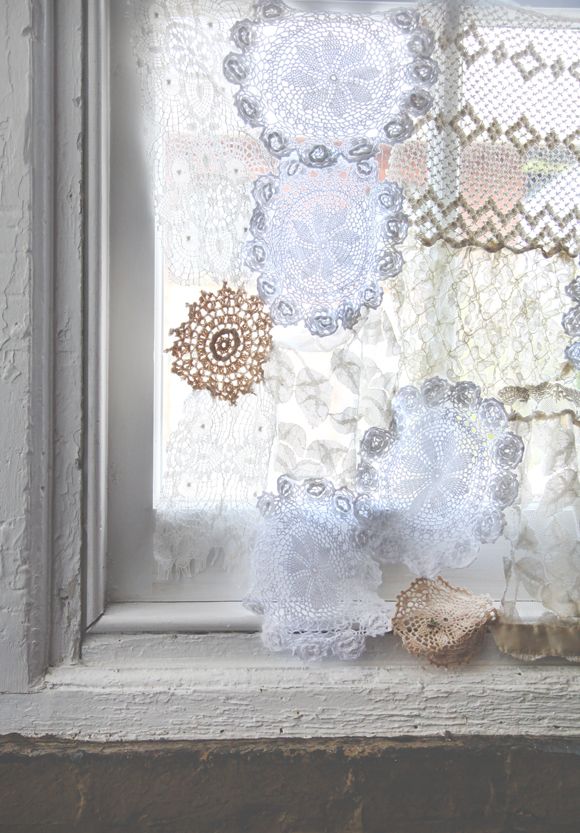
<point x="322" y="241"/>
<point x="440" y="477"/>
<point x="329" y="84"/>
<point x="444" y="623"/>
<point x="223" y="344"/>
<point x="571" y="323"/>
<point x="314" y="580"/>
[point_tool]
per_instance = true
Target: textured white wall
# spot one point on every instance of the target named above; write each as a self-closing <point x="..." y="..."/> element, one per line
<point x="41" y="292"/>
<point x="15" y="330"/>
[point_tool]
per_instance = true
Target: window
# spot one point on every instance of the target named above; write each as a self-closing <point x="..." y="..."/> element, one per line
<point x="185" y="469"/>
<point x="134" y="684"/>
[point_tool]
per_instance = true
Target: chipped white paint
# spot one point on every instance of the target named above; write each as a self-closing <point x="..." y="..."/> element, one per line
<point x="40" y="336"/>
<point x="15" y="341"/>
<point x="221" y="701"/>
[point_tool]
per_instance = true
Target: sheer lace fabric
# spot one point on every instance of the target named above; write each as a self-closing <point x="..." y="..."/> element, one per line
<point x="325" y="85"/>
<point x="314" y="580"/>
<point x="322" y="241"/>
<point x="216" y="466"/>
<point x="203" y="158"/>
<point x="497" y="161"/>
<point x="440" y="476"/>
<point x="492" y="318"/>
<point x="544" y="529"/>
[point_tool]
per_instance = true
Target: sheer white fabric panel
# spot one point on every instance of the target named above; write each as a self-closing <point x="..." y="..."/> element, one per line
<point x="455" y="311"/>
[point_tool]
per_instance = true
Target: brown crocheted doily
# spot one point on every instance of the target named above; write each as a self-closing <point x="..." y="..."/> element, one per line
<point x="224" y="343"/>
<point x="441" y="622"/>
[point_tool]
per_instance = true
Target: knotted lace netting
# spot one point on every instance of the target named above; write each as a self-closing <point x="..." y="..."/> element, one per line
<point x="440" y="477"/>
<point x="313" y="579"/>
<point x="322" y="240"/>
<point x="325" y="84"/>
<point x="497" y="161"/>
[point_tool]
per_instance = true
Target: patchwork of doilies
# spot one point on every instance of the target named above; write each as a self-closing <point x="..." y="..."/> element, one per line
<point x="323" y="240"/>
<point x="314" y="580"/>
<point x="301" y="202"/>
<point x="223" y="344"/>
<point x="327" y="84"/>
<point x="440" y="476"/>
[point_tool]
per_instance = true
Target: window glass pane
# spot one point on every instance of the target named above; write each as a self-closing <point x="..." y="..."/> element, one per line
<point x="186" y="467"/>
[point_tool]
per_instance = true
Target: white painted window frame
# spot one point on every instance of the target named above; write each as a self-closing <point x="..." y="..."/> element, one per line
<point x="61" y="678"/>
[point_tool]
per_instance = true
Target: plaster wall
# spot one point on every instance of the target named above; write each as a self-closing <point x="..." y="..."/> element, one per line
<point x="15" y="331"/>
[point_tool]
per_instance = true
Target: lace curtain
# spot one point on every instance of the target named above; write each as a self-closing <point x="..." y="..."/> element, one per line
<point x="502" y="170"/>
<point x="490" y="177"/>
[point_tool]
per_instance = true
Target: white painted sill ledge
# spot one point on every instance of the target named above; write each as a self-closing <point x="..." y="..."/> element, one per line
<point x="224" y="685"/>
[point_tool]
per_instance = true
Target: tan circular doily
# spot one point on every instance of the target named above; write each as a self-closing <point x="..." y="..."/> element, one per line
<point x="223" y="344"/>
<point x="441" y="622"/>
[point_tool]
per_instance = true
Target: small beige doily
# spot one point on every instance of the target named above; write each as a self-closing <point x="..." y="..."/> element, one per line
<point x="223" y="344"/>
<point x="441" y="622"/>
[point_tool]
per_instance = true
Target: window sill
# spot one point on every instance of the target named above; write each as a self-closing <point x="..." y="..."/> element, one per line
<point x="176" y="617"/>
<point x="224" y="685"/>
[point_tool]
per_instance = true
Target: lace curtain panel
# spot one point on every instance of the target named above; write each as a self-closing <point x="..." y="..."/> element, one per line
<point x="470" y="221"/>
<point x="497" y="162"/>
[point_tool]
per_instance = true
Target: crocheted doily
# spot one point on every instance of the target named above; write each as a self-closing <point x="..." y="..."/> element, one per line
<point x="313" y="578"/>
<point x="441" y="622"/>
<point x="440" y="477"/>
<point x="223" y="344"/>
<point x="322" y="240"/>
<point x="330" y="84"/>
<point x="571" y="323"/>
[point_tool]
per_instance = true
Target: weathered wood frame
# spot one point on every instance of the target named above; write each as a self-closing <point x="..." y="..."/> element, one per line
<point x="55" y="676"/>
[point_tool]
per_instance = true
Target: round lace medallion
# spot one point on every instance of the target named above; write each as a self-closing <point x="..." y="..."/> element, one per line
<point x="440" y="477"/>
<point x="572" y="353"/>
<point x="571" y="323"/>
<point x="328" y="84"/>
<point x="441" y="622"/>
<point x="223" y="344"/>
<point x="313" y="578"/>
<point x="322" y="240"/>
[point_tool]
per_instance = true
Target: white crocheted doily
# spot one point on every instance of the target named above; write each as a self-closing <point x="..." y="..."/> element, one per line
<point x="323" y="240"/>
<point x="327" y="84"/>
<point x="440" y="476"/>
<point x="314" y="580"/>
